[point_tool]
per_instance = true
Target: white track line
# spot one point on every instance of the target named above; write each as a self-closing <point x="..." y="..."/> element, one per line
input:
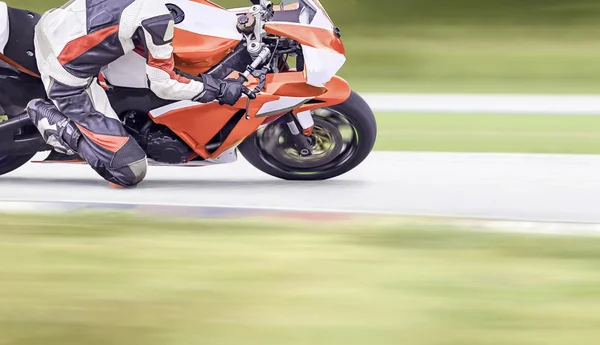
<point x="458" y="223"/>
<point x="485" y="103"/>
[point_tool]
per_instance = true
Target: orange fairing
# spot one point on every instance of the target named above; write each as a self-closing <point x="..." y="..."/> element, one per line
<point x="208" y="3"/>
<point x="338" y="91"/>
<point x="308" y="35"/>
<point x="239" y="133"/>
<point x="292" y="84"/>
<point x="196" y="54"/>
<point x="288" y="7"/>
<point x="198" y="124"/>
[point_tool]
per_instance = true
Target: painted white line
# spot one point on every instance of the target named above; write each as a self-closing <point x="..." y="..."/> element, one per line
<point x="563" y="229"/>
<point x="14" y="204"/>
<point x="485" y="103"/>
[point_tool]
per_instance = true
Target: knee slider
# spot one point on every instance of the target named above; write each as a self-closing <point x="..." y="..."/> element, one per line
<point x="129" y="165"/>
<point x="139" y="170"/>
<point x="131" y="175"/>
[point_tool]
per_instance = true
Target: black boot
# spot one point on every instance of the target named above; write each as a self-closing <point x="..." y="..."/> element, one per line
<point x="56" y="129"/>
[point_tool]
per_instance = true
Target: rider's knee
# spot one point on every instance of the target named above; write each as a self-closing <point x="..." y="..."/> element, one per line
<point x="132" y="165"/>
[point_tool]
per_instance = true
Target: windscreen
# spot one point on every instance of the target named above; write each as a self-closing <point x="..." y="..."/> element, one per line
<point x="323" y="51"/>
<point x="309" y="12"/>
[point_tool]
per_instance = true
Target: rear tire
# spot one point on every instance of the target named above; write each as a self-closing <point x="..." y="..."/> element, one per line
<point x="11" y="163"/>
<point x="268" y="154"/>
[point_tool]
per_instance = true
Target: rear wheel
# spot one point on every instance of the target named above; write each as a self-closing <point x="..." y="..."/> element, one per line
<point x="343" y="136"/>
<point x="9" y="163"/>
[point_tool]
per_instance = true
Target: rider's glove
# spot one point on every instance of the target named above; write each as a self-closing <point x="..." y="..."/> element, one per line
<point x="227" y="91"/>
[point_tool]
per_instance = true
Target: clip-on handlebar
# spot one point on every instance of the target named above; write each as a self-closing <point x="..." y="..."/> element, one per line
<point x="262" y="56"/>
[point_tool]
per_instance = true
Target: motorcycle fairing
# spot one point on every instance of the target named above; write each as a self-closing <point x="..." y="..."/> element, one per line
<point x="207" y="34"/>
<point x="199" y="124"/>
<point x="203" y="38"/>
<point x="324" y="53"/>
<point x="311" y="26"/>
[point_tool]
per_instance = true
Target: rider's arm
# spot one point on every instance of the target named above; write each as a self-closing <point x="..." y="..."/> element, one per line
<point x="157" y="28"/>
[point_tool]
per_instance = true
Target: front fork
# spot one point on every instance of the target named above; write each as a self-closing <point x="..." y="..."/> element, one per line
<point x="300" y="127"/>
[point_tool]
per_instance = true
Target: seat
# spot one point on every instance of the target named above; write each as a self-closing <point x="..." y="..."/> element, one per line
<point x="19" y="50"/>
<point x="19" y="75"/>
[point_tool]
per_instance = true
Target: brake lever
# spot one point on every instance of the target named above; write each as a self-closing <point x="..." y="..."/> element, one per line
<point x="251" y="93"/>
<point x="262" y="77"/>
<point x="246" y="91"/>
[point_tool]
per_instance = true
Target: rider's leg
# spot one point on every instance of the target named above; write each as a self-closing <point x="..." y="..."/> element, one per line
<point x="81" y="119"/>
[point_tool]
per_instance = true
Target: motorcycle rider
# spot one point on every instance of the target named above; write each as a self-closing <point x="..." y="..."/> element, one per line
<point x="73" y="44"/>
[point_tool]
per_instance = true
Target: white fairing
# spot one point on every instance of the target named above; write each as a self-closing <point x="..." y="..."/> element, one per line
<point x="4" y="26"/>
<point x="305" y="119"/>
<point x="207" y="20"/>
<point x="127" y="71"/>
<point x="281" y="103"/>
<point x="321" y="65"/>
<point x="158" y="112"/>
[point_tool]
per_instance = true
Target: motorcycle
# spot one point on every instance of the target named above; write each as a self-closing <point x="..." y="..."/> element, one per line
<point x="297" y="119"/>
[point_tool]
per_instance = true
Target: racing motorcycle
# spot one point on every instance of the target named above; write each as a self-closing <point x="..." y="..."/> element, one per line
<point x="297" y="119"/>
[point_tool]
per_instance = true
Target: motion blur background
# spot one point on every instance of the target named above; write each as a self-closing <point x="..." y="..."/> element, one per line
<point x="117" y="279"/>
<point x="461" y="45"/>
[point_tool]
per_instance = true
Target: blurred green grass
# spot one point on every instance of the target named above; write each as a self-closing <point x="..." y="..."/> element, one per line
<point x="118" y="279"/>
<point x="533" y="46"/>
<point x="488" y="133"/>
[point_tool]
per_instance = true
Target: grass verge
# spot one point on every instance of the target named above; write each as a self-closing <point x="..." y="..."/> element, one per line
<point x="118" y="279"/>
<point x="489" y="133"/>
<point x="475" y="59"/>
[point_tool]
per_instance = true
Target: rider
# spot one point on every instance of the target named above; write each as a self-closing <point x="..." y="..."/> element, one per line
<point x="73" y="44"/>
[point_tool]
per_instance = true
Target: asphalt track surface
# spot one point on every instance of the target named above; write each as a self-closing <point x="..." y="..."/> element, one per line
<point x="520" y="187"/>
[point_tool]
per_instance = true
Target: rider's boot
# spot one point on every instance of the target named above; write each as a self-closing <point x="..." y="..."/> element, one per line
<point x="56" y="129"/>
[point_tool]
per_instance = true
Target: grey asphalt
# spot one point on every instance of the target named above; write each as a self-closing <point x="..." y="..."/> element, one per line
<point x="563" y="188"/>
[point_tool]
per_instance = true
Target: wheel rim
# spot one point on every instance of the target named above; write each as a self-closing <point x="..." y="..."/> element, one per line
<point x="334" y="141"/>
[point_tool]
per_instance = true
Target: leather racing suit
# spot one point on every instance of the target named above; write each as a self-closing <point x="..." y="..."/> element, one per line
<point x="73" y="44"/>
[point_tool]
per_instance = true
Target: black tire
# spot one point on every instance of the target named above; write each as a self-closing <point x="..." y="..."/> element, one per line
<point x="11" y="163"/>
<point x="361" y="119"/>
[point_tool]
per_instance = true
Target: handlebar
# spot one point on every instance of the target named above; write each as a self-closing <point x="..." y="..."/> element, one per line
<point x="246" y="91"/>
<point x="262" y="56"/>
